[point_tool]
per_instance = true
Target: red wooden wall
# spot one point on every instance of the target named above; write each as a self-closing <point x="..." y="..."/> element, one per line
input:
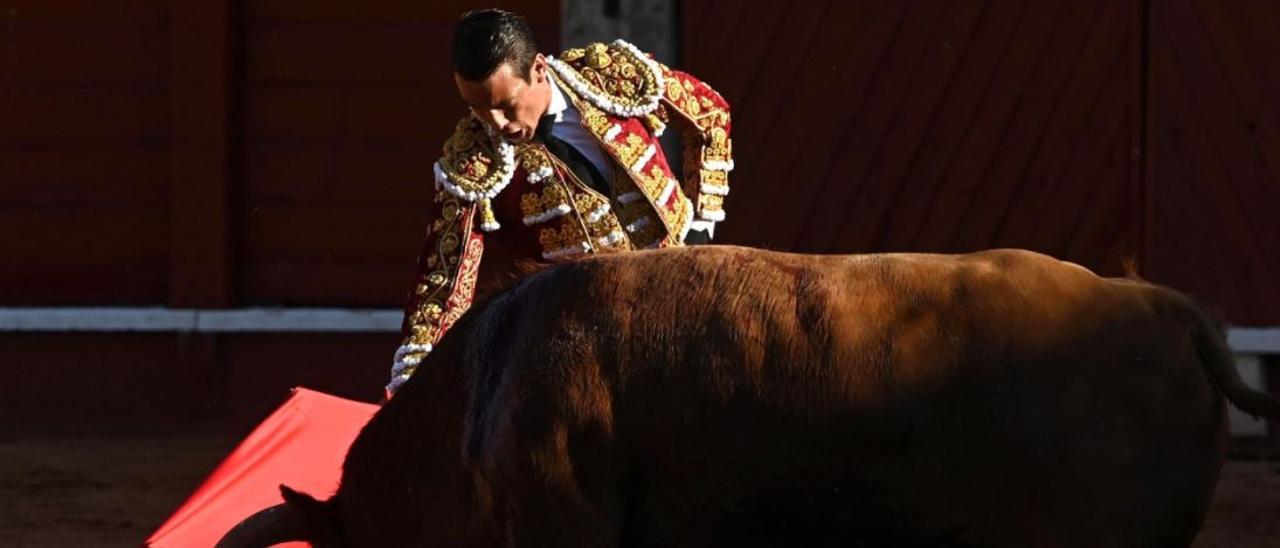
<point x="218" y="153"/>
<point x="1093" y="130"/>
<point x="214" y="153"/>
<point x="207" y="154"/>
<point x="1214" y="153"/>
<point x="84" y="151"/>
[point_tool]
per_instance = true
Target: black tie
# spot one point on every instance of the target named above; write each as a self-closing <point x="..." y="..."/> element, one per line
<point x="576" y="161"/>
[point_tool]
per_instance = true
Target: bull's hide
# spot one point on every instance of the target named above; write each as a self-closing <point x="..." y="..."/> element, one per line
<point x="731" y="396"/>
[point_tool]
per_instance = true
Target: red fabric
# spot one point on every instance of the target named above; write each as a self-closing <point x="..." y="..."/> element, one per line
<point x="302" y="445"/>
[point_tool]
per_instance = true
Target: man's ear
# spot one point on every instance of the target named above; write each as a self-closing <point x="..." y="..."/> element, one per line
<point x="538" y="69"/>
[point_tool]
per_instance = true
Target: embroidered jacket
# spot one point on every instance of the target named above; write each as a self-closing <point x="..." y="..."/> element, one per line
<point x="524" y="195"/>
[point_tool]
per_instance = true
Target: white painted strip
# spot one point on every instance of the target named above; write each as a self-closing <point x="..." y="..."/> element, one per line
<point x="106" y="319"/>
<point x="299" y="319"/>
<point x="1254" y="340"/>
<point x="97" y="319"/>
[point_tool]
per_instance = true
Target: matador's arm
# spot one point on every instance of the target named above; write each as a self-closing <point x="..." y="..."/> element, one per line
<point x="704" y="119"/>
<point x="446" y="282"/>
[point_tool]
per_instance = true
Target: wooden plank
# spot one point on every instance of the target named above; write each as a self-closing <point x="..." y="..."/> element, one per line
<point x="328" y="285"/>
<point x="805" y="127"/>
<point x="1023" y="171"/>
<point x="75" y="54"/>
<point x="720" y="35"/>
<point x="386" y="176"/>
<point x="355" y="174"/>
<point x="425" y="114"/>
<point x="1229" y="105"/>
<point x="1107" y="230"/>
<point x="1023" y="102"/>
<point x="334" y="233"/>
<point x="1066" y="204"/>
<point x="339" y="51"/>
<point x="847" y="182"/>
<point x="95" y="12"/>
<point x="1198" y="209"/>
<point x="288" y="113"/>
<point x="767" y="116"/>
<point x="1195" y="215"/>
<point x="1243" y="192"/>
<point x="735" y="75"/>
<point x="141" y="377"/>
<point x="929" y="174"/>
<point x="292" y="172"/>
<point x="82" y="115"/>
<point x="982" y="138"/>
<point x="127" y="235"/>
<point x="884" y="182"/>
<point x="1139" y="156"/>
<point x="292" y="113"/>
<point x="536" y="12"/>
<point x="106" y="255"/>
<point x="1254" y="83"/>
<point x="1087" y="121"/>
<point x="199" y="254"/>
<point x="100" y="175"/>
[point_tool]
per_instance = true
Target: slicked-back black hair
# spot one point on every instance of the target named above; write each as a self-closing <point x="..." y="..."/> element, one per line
<point x="485" y="39"/>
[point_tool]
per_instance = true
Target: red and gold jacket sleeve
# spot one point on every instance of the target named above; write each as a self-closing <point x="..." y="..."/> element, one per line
<point x="704" y="119"/>
<point x="445" y="285"/>
<point x="474" y="168"/>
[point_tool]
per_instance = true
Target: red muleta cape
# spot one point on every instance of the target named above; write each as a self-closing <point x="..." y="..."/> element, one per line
<point x="302" y="445"/>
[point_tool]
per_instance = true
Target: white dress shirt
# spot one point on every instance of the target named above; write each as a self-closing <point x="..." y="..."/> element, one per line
<point x="568" y="128"/>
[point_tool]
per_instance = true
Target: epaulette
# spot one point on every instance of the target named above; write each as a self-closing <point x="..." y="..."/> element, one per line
<point x="617" y="78"/>
<point x="476" y="166"/>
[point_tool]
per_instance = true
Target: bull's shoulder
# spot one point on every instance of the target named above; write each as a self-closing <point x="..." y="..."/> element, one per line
<point x="1005" y="259"/>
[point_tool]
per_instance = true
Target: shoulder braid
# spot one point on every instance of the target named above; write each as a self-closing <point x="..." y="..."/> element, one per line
<point x="617" y="77"/>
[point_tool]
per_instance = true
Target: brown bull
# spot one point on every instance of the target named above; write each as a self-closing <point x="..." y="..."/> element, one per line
<point x="728" y="396"/>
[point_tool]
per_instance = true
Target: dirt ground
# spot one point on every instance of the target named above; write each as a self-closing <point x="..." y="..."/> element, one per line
<point x="115" y="492"/>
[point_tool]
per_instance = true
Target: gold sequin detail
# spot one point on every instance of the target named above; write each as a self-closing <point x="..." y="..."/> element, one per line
<point x="614" y="72"/>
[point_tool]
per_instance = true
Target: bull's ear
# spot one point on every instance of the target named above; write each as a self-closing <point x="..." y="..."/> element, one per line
<point x="319" y="517"/>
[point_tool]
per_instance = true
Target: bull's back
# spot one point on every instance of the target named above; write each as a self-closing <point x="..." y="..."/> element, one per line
<point x="918" y="398"/>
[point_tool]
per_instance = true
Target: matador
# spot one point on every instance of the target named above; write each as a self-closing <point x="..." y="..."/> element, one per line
<point x="557" y="158"/>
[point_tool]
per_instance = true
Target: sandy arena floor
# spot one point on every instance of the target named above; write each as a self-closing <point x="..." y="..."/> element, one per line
<point x="114" y="492"/>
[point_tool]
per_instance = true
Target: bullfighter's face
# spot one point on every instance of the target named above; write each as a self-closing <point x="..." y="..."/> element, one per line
<point x="508" y="102"/>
